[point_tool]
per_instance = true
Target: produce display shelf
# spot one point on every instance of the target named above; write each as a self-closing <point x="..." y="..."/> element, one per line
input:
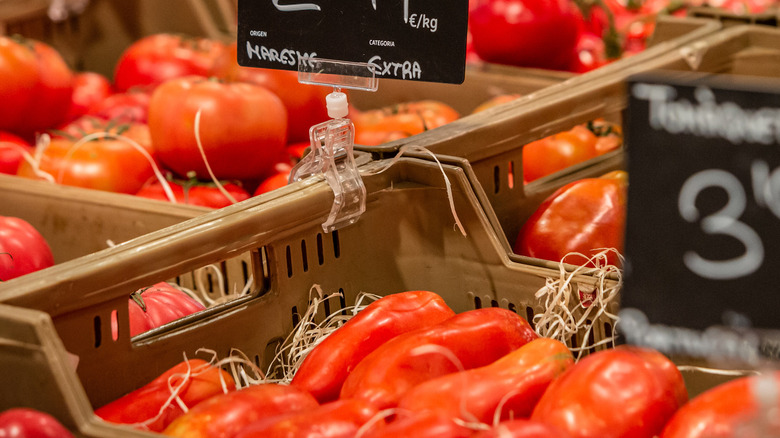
<point x="489" y="145"/>
<point x="406" y="240"/>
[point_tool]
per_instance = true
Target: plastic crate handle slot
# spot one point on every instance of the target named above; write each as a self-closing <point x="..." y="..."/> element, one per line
<point x="332" y="142"/>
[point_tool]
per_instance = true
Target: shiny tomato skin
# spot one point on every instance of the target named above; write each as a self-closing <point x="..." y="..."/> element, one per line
<point x="419" y="425"/>
<point x="377" y="126"/>
<point x="555" y="153"/>
<point x="31" y="423"/>
<point x="19" y="70"/>
<point x="201" y="194"/>
<point x="526" y="33"/>
<point x="721" y="411"/>
<point x="154" y="59"/>
<point x="305" y="103"/>
<point x="243" y="128"/>
<point x="143" y="404"/>
<point x="273" y="182"/>
<point x="225" y="415"/>
<point x="11" y="150"/>
<point x="624" y="392"/>
<point x="108" y="164"/>
<point x="521" y="428"/>
<point x="514" y="382"/>
<point x="411" y="358"/>
<point x="158" y="305"/>
<point x="89" y="90"/>
<point x="583" y="216"/>
<point x="329" y="364"/>
<point x="128" y="107"/>
<point x="36" y="87"/>
<point x="22" y="248"/>
<point x="336" y="419"/>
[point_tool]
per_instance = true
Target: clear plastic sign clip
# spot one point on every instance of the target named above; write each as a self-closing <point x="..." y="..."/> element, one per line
<point x="332" y="141"/>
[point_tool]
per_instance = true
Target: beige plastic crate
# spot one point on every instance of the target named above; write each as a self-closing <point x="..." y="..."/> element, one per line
<point x="770" y="17"/>
<point x="404" y="241"/>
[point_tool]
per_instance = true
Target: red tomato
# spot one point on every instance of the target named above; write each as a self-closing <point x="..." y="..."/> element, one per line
<point x="89" y="90"/>
<point x="152" y="60"/>
<point x="526" y="33"/>
<point x="305" y="103"/>
<point x="205" y="194"/>
<point x="327" y="366"/>
<point x="243" y="128"/>
<point x="722" y="412"/>
<point x="225" y="415"/>
<point x="419" y="425"/>
<point x="515" y="383"/>
<point x="22" y="248"/>
<point x="158" y="305"/>
<point x="590" y="53"/>
<point x="108" y="164"/>
<point x="11" y="149"/>
<point x="337" y="419"/>
<point x="623" y="392"/>
<point x="129" y="107"/>
<point x="411" y="358"/>
<point x="556" y="152"/>
<point x="30" y="423"/>
<point x="521" y="428"/>
<point x="199" y="381"/>
<point x="381" y="125"/>
<point x="583" y="216"/>
<point x="36" y="87"/>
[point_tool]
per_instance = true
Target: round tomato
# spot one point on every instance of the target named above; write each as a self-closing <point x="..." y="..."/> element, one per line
<point x="377" y="126"/>
<point x="616" y="393"/>
<point x="129" y="107"/>
<point x="89" y="90"/>
<point x="158" y="305"/>
<point x="243" y="128"/>
<point x="111" y="164"/>
<point x="22" y="248"/>
<point x="305" y="103"/>
<point x="557" y="152"/>
<point x="583" y="216"/>
<point x="31" y="423"/>
<point x="273" y="182"/>
<point x="205" y="194"/>
<point x="12" y="148"/>
<point x="526" y="33"/>
<point x="726" y="411"/>
<point x="157" y="58"/>
<point x="36" y="87"/>
<point x="590" y="53"/>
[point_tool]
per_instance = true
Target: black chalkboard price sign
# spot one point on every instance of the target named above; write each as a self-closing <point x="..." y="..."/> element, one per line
<point x="422" y="40"/>
<point x="702" y="272"/>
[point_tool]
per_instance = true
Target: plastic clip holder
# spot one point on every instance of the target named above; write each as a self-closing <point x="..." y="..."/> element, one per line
<point x="332" y="141"/>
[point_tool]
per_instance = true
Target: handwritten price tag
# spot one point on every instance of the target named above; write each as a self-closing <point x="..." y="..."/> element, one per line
<point x="703" y="226"/>
<point x="421" y="40"/>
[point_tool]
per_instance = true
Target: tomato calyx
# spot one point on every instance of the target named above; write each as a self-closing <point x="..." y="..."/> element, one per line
<point x="613" y="46"/>
<point x="138" y="299"/>
<point x="601" y="130"/>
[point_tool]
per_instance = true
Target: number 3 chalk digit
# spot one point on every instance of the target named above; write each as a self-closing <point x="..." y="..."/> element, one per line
<point x="725" y="221"/>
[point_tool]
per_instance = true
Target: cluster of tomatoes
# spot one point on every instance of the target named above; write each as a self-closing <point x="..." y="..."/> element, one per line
<point x="575" y="35"/>
<point x="408" y="365"/>
<point x="114" y="135"/>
